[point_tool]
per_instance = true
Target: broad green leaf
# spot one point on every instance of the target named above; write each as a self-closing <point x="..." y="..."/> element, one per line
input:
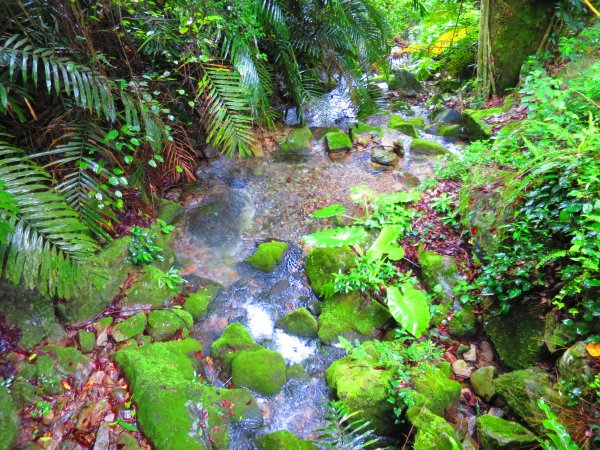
<point x="329" y="211"/>
<point x="336" y="237"/>
<point x="410" y="308"/>
<point x="386" y="244"/>
<point x="359" y="193"/>
<point x="397" y="197"/>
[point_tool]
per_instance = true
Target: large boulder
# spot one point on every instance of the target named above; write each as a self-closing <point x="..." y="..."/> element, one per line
<point x="283" y="440"/>
<point x="323" y="263"/>
<point x="495" y="433"/>
<point x="9" y="420"/>
<point x="299" y="323"/>
<point x="433" y="389"/>
<point x="433" y="432"/>
<point x="262" y="371"/>
<point x="164" y="324"/>
<point x="268" y="255"/>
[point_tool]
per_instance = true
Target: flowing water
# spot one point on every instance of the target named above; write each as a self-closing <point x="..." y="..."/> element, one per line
<point x="236" y="205"/>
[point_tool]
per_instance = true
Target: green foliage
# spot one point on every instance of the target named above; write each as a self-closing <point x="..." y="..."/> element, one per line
<point x="329" y="211"/>
<point x="142" y="248"/>
<point x="336" y="237"/>
<point x="410" y="307"/>
<point x="344" y="430"/>
<point x="385" y="244"/>
<point x="558" y="435"/>
<point x="172" y="279"/>
<point x="369" y="276"/>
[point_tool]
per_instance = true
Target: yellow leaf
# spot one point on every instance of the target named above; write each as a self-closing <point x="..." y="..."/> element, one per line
<point x="593" y="348"/>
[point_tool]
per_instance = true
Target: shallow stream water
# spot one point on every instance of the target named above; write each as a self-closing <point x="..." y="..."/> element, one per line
<point x="237" y="204"/>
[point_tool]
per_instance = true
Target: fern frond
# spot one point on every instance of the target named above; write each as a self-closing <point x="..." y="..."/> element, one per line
<point x="344" y="431"/>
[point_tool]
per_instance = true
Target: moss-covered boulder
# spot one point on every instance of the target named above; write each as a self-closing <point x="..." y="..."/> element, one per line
<point x="337" y="141"/>
<point x="434" y="390"/>
<point x="482" y="382"/>
<point x="299" y="323"/>
<point x="495" y="433"/>
<point x="147" y="290"/>
<point x="433" y="432"/>
<point x="68" y="361"/>
<point x="517" y="336"/>
<point x="9" y="420"/>
<point x="164" y="324"/>
<point x="360" y="130"/>
<point x="173" y="406"/>
<point x="234" y="340"/>
<point x="463" y="324"/>
<point x="323" y="263"/>
<point x="477" y="123"/>
<point x="522" y="389"/>
<point x="25" y="393"/>
<point x="87" y="341"/>
<point x="576" y="368"/>
<point x="198" y="302"/>
<point x="449" y="131"/>
<point x="262" y="371"/>
<point x="439" y="269"/>
<point x="364" y="388"/>
<point x="350" y="316"/>
<point x="401" y="124"/>
<point x="384" y="157"/>
<point x="268" y="255"/>
<point x="416" y="122"/>
<point x="129" y="328"/>
<point x="299" y="140"/>
<point x="406" y="81"/>
<point x="127" y="442"/>
<point x="167" y="210"/>
<point x="297" y="372"/>
<point x="425" y="147"/>
<point x="283" y="440"/>
<point x="558" y="335"/>
<point x="164" y="241"/>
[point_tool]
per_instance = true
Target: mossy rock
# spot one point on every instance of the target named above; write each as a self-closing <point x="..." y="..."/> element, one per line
<point x="129" y="328"/>
<point x="297" y="372"/>
<point x="164" y="241"/>
<point x="347" y="315"/>
<point x="360" y="129"/>
<point x="30" y="312"/>
<point x="147" y="289"/>
<point x="426" y="147"/>
<point x="299" y="140"/>
<point x="439" y="269"/>
<point x="475" y="120"/>
<point x="403" y="79"/>
<point x="234" y="340"/>
<point x="449" y="131"/>
<point x="323" y="263"/>
<point x="87" y="341"/>
<point x="262" y="371"/>
<point x="433" y="432"/>
<point x="268" y="255"/>
<point x="26" y="371"/>
<point x="558" y="335"/>
<point x="522" y="389"/>
<point x="9" y="420"/>
<point x="517" y="336"/>
<point x="434" y="390"/>
<point x="168" y="210"/>
<point x="173" y="406"/>
<point x="463" y="324"/>
<point x="283" y="440"/>
<point x="299" y="323"/>
<point x="69" y="361"/>
<point x="337" y="141"/>
<point x="44" y="366"/>
<point x="416" y="122"/>
<point x="363" y="388"/>
<point x="495" y="433"/>
<point x="401" y="124"/>
<point x="198" y="302"/>
<point x="384" y="157"/>
<point x="164" y="324"/>
<point x="482" y="382"/>
<point x="24" y="393"/>
<point x="575" y="367"/>
<point x="127" y="442"/>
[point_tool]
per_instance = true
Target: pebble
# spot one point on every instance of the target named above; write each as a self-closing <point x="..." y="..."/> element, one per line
<point x="486" y="353"/>
<point x="48" y="418"/>
<point x="450" y="357"/>
<point x="471" y="354"/>
<point x="494" y="411"/>
<point x="461" y="368"/>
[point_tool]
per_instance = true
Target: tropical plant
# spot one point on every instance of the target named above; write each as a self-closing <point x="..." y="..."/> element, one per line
<point x="171" y="279"/>
<point x="142" y="249"/>
<point x="344" y="430"/>
<point x="559" y="438"/>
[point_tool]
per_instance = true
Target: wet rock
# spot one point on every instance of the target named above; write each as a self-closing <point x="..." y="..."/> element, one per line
<point x="417" y="122"/>
<point x="471" y="354"/>
<point x="486" y="353"/>
<point x="360" y="132"/>
<point x="283" y="439"/>
<point x="449" y="131"/>
<point x="23" y="393"/>
<point x="425" y="147"/>
<point x="262" y="371"/>
<point x="127" y="442"/>
<point x="322" y="263"/>
<point x="299" y="323"/>
<point x="518" y="336"/>
<point x="384" y="157"/>
<point x="48" y="418"/>
<point x="482" y="382"/>
<point x="173" y="406"/>
<point x="463" y="324"/>
<point x="129" y="328"/>
<point x="435" y="390"/>
<point x="499" y="434"/>
<point x="439" y="269"/>
<point x="575" y="367"/>
<point x="447" y="116"/>
<point x="164" y="241"/>
<point x="168" y="210"/>
<point x="299" y="140"/>
<point x="348" y="315"/>
<point x="268" y="255"/>
<point x="103" y="324"/>
<point x="433" y="432"/>
<point x="87" y="341"/>
<point x="197" y="303"/>
<point x="234" y="340"/>
<point x="148" y="289"/>
<point x="70" y="362"/>
<point x="401" y="124"/>
<point x="557" y="335"/>
<point x="461" y="368"/>
<point x="406" y="81"/>
<point x="337" y="141"/>
<point x="164" y="324"/>
<point x="297" y="372"/>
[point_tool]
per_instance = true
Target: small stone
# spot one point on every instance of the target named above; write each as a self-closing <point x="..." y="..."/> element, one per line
<point x="48" y="418"/>
<point x="87" y="341"/>
<point x="103" y="324"/>
<point x="486" y="353"/>
<point x="297" y="372"/>
<point x="129" y="327"/>
<point x="482" y="381"/>
<point x="102" y="437"/>
<point x="450" y="357"/>
<point x="463" y="324"/>
<point x="471" y="354"/>
<point x="384" y="157"/>
<point x="462" y="348"/>
<point x="425" y="147"/>
<point x="461" y="368"/>
<point x="495" y="411"/>
<point x="268" y="255"/>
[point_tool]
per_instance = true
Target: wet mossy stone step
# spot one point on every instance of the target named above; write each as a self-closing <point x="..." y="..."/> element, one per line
<point x="299" y="323"/>
<point x="323" y="263"/>
<point x="401" y="124"/>
<point x="148" y="290"/>
<point x="262" y="371"/>
<point x="283" y="440"/>
<point x="426" y="147"/>
<point x="299" y="140"/>
<point x="234" y="340"/>
<point x="268" y="255"/>
<point x="198" y="302"/>
<point x="173" y="406"/>
<point x="164" y="324"/>
<point x="337" y="141"/>
<point x="495" y="433"/>
<point x="433" y="432"/>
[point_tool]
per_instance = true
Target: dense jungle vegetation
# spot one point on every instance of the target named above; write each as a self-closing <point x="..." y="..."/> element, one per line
<point x="466" y="306"/>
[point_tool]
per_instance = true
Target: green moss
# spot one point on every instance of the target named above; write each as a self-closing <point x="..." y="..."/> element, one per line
<point x="23" y="394"/>
<point x="164" y="324"/>
<point x="346" y="315"/>
<point x="558" y="335"/>
<point x="463" y="324"/>
<point x="337" y="141"/>
<point x="433" y="432"/>
<point x="482" y="382"/>
<point x="384" y="157"/>
<point x="9" y="420"/>
<point x="401" y="124"/>
<point x="164" y="241"/>
<point x="298" y="140"/>
<point x="44" y="366"/>
<point x="439" y="269"/>
<point x="434" y="390"/>
<point x="262" y="371"/>
<point x="26" y="371"/>
<point x="575" y="367"/>
<point x="197" y="303"/>
<point x="87" y="341"/>
<point x="360" y="129"/>
<point x="425" y="147"/>
<point x="103" y="324"/>
<point x="129" y="328"/>
<point x="147" y="289"/>
<point x="416" y="122"/>
<point x="323" y="263"/>
<point x="299" y="323"/>
<point x="449" y="131"/>
<point x="268" y="255"/>
<point x="495" y="433"/>
<point x="70" y="361"/>
<point x="234" y="340"/>
<point x="168" y="210"/>
<point x="518" y="336"/>
<point x="127" y="442"/>
<point x="283" y="440"/>
<point x="297" y="372"/>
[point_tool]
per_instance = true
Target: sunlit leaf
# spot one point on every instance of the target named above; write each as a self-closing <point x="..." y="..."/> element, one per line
<point x="336" y="237"/>
<point x="360" y="193"/>
<point x="410" y="307"/>
<point x="397" y="197"/>
<point x="329" y="211"/>
<point x="386" y="244"/>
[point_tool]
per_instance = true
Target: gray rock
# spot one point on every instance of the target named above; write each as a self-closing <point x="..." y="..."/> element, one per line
<point x="482" y="382"/>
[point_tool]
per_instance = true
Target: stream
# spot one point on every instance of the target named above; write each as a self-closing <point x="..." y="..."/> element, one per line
<point x="237" y="204"/>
